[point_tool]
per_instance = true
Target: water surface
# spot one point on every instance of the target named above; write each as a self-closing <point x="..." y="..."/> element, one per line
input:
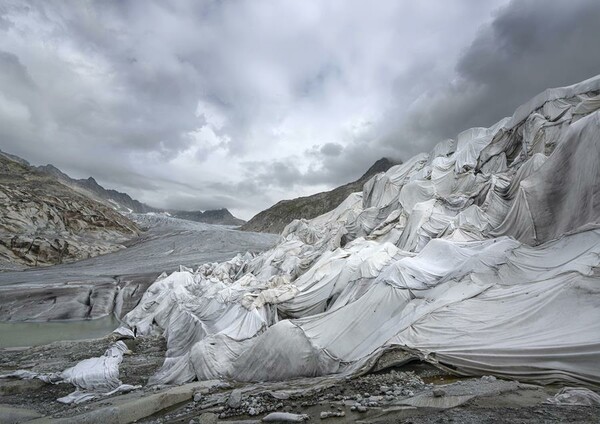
<point x="19" y="334"/>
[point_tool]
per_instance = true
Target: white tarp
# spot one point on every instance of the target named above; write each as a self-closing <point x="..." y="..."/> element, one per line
<point x="92" y="378"/>
<point x="482" y="257"/>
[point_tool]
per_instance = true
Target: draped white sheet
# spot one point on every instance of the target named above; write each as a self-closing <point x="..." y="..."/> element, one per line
<point x="482" y="257"/>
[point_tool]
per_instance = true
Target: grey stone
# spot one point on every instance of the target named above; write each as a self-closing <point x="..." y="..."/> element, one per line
<point x="208" y="418"/>
<point x="328" y="414"/>
<point x="235" y="399"/>
<point x="12" y="415"/>
<point x="285" y="417"/>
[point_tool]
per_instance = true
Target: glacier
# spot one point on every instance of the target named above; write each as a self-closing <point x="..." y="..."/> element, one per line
<point x="481" y="257"/>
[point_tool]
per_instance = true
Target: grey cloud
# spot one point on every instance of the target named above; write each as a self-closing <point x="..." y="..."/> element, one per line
<point x="530" y="45"/>
<point x="300" y="96"/>
<point x="332" y="170"/>
<point x="5" y="22"/>
<point x="331" y="149"/>
<point x="240" y="198"/>
<point x="280" y="173"/>
<point x="13" y="73"/>
<point x="356" y="159"/>
<point x="198" y="201"/>
<point x="147" y="104"/>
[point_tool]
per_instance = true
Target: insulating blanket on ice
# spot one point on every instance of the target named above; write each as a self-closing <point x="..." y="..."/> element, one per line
<point x="482" y="257"/>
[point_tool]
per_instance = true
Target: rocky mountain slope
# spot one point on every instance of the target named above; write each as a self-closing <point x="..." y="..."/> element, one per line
<point x="89" y="187"/>
<point x="274" y="219"/>
<point x="43" y="222"/>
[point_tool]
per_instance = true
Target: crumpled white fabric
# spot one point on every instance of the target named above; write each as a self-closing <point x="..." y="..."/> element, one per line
<point x="575" y="396"/>
<point x="481" y="257"/>
<point x="94" y="377"/>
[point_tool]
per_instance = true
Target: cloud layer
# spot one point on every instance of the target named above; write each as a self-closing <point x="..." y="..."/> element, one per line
<point x="238" y="104"/>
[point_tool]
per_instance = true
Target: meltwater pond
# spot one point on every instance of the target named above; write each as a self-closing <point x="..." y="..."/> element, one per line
<point x="21" y="334"/>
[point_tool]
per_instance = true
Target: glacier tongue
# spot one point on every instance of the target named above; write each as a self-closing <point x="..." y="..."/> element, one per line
<point x="481" y="257"/>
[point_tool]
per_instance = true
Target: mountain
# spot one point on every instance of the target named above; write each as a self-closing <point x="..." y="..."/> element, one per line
<point x="274" y="219"/>
<point x="216" y="216"/>
<point x="123" y="203"/>
<point x="44" y="222"/>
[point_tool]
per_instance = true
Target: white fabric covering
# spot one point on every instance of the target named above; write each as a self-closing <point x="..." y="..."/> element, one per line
<point x="92" y="378"/>
<point x="482" y="257"/>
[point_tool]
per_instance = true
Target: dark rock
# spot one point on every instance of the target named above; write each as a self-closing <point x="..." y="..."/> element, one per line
<point x="235" y="399"/>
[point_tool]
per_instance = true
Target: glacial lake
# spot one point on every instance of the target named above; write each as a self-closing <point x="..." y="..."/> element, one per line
<point x="21" y="334"/>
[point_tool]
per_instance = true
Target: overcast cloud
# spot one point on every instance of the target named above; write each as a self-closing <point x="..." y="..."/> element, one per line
<point x="239" y="104"/>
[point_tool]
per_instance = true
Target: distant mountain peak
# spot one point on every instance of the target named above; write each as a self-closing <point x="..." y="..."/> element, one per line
<point x="216" y="216"/>
<point x="91" y="182"/>
<point x="122" y="202"/>
<point x="14" y="158"/>
<point x="380" y="165"/>
<point x="54" y="171"/>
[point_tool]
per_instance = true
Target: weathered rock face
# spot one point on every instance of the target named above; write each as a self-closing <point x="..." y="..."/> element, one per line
<point x="43" y="222"/>
<point x="274" y="219"/>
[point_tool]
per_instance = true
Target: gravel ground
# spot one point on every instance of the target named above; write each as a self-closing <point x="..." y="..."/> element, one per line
<point x="382" y="397"/>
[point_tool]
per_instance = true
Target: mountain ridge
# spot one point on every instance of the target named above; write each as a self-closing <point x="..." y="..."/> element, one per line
<point x="123" y="202"/>
<point x="211" y="216"/>
<point x="275" y="218"/>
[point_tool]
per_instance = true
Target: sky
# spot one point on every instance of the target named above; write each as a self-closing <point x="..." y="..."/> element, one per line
<point x="200" y="105"/>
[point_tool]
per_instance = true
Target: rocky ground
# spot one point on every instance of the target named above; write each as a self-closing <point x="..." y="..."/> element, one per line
<point x="416" y="393"/>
